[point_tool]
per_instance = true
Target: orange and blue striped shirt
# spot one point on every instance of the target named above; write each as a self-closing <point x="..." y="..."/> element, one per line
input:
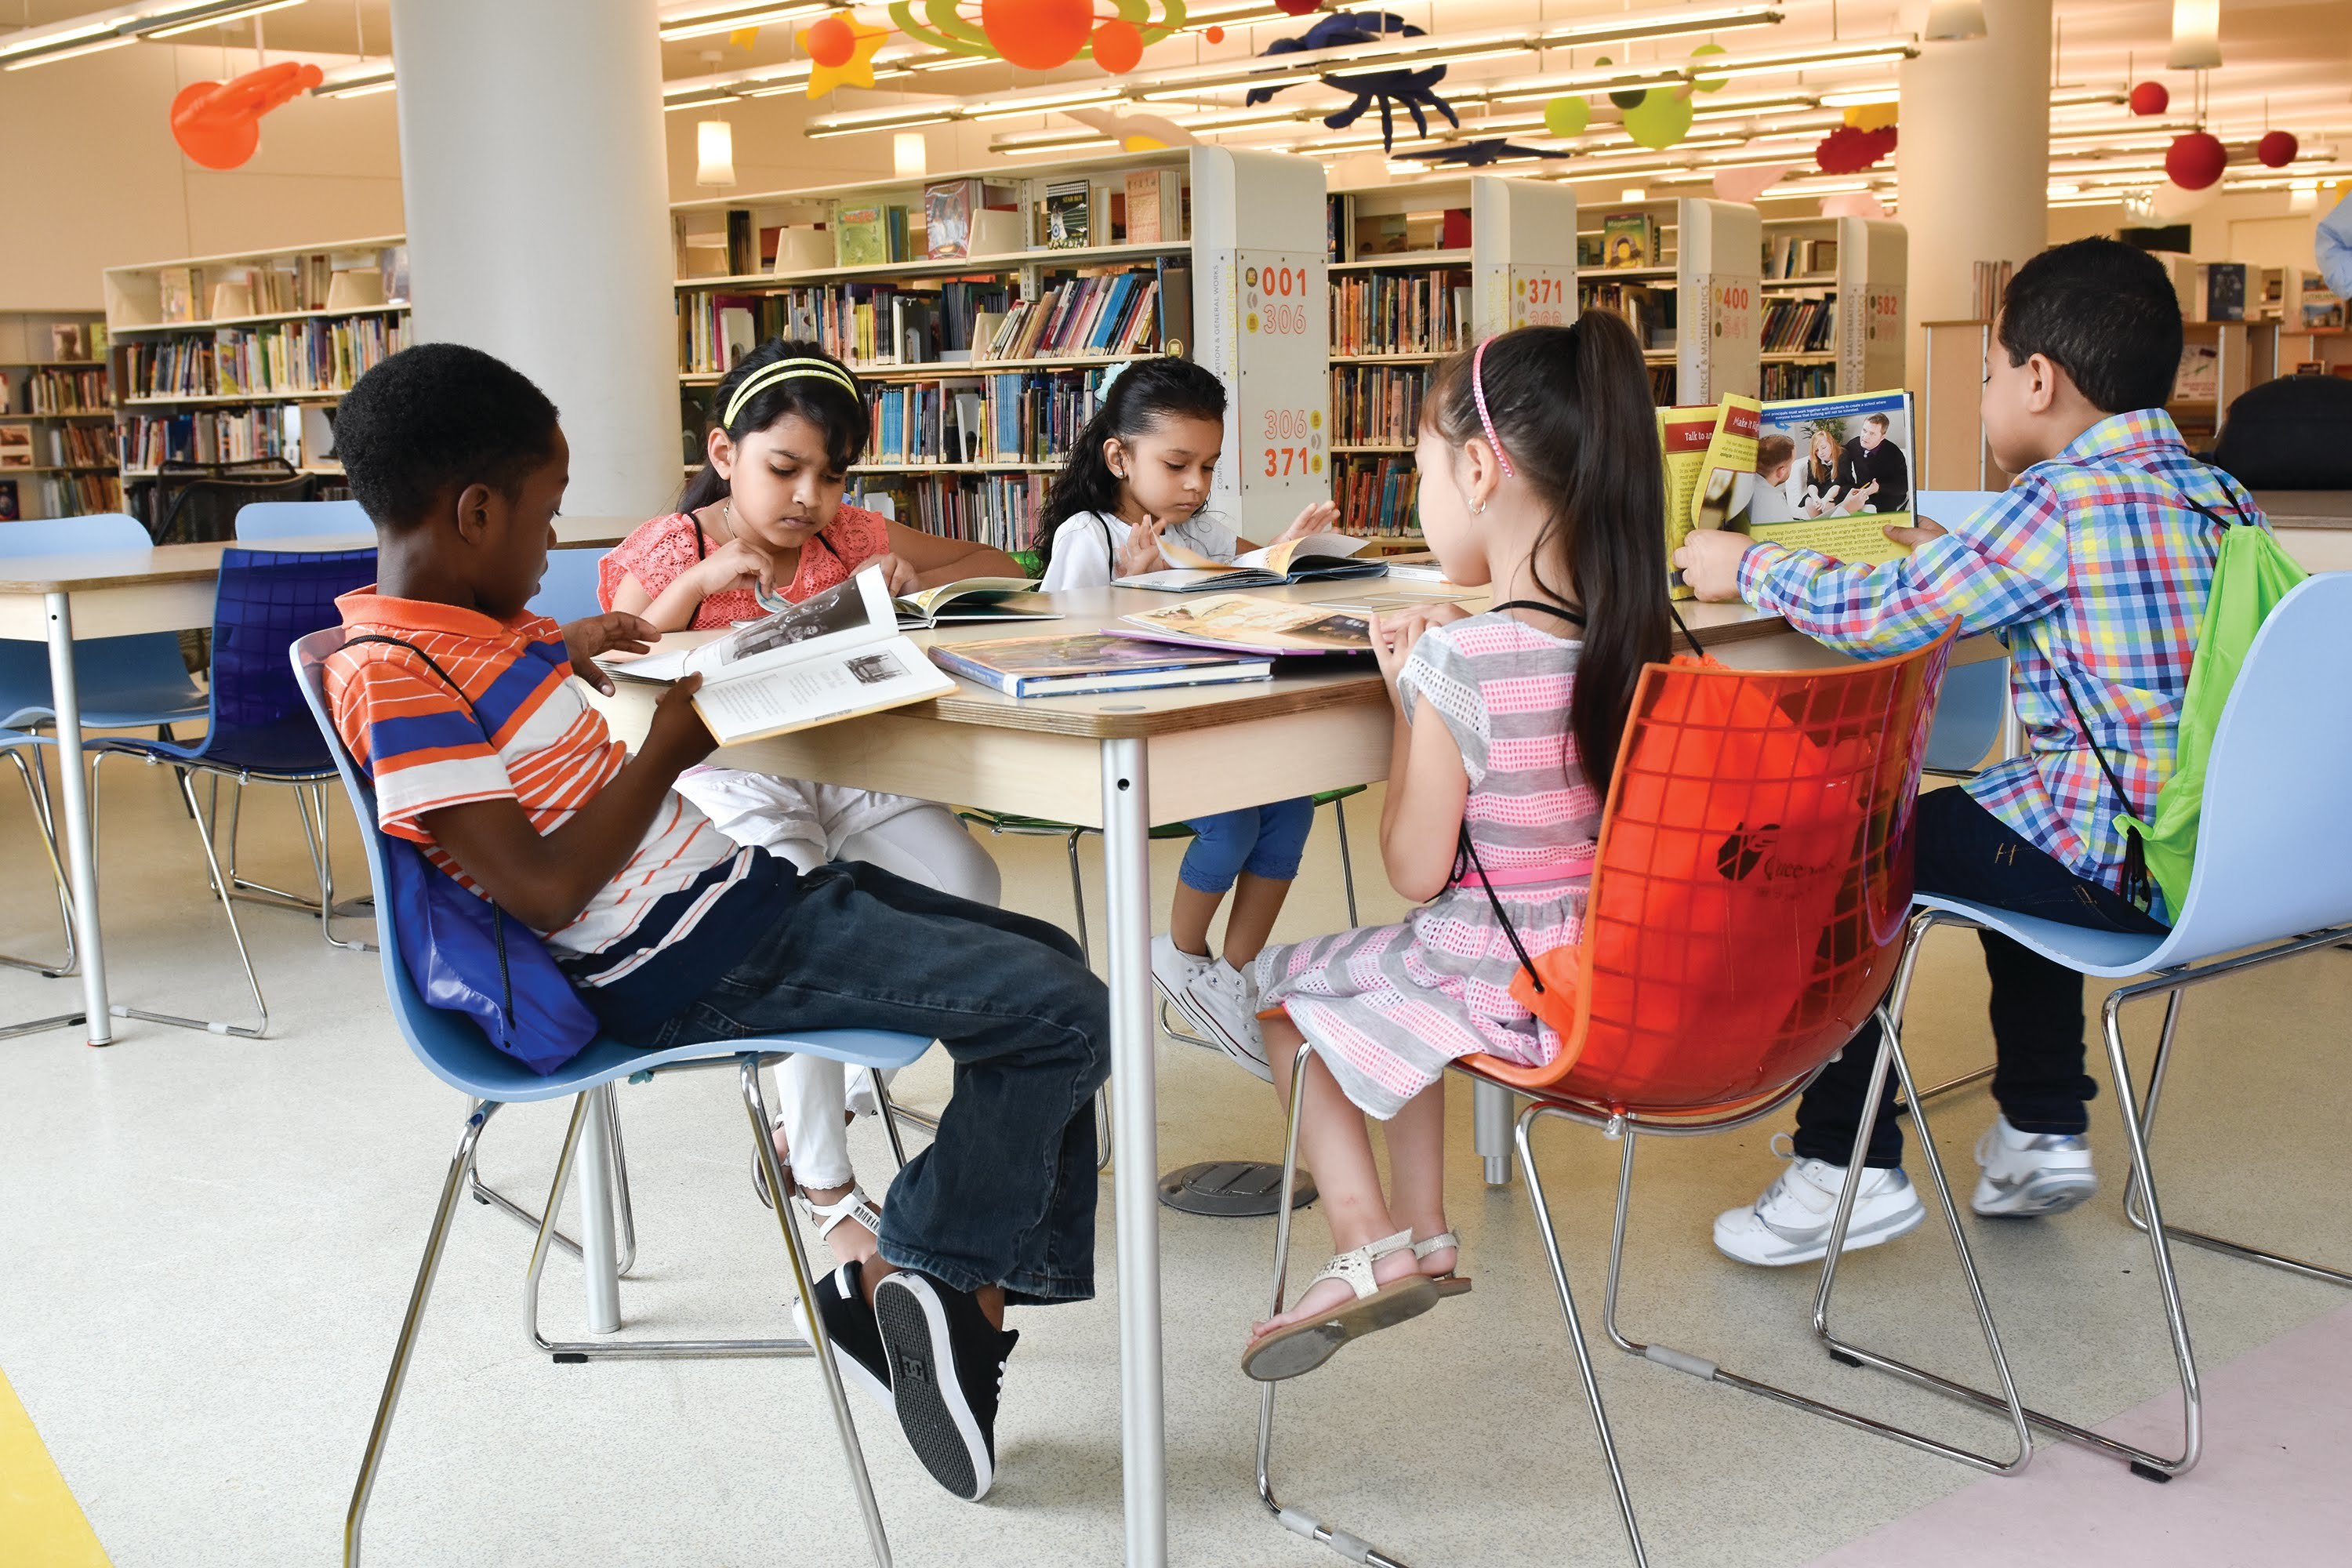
<point x="549" y="750"/>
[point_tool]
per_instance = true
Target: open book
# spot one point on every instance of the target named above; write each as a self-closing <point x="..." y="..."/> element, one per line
<point x="1066" y="665"/>
<point x="835" y="655"/>
<point x="1237" y="625"/>
<point x="1317" y="558"/>
<point x="974" y="599"/>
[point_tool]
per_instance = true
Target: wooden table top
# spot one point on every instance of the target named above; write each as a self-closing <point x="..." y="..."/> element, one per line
<point x="1301" y="683"/>
<point x="2307" y="508"/>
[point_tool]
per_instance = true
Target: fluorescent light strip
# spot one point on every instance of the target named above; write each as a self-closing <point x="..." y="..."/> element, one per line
<point x="703" y="22"/>
<point x="97" y="47"/>
<point x="223" y="20"/>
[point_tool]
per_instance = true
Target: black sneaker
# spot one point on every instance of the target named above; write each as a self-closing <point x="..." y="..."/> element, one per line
<point x="947" y="1373"/>
<point x="856" y="1340"/>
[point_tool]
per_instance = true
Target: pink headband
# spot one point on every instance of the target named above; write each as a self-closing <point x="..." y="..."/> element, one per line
<point x="1478" y="393"/>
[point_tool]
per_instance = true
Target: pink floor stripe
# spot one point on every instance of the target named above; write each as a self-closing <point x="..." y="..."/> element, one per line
<point x="2271" y="1490"/>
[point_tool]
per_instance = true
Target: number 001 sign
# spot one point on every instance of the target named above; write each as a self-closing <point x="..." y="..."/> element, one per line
<point x="1282" y="414"/>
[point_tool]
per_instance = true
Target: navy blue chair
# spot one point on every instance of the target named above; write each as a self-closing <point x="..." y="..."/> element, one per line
<point x="454" y="1051"/>
<point x="16" y="743"/>
<point x="2273" y="879"/>
<point x="257" y="728"/>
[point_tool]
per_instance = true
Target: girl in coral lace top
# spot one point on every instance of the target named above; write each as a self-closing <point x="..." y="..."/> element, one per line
<point x="761" y="526"/>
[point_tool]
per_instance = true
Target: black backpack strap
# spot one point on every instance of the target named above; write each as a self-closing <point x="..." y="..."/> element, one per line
<point x="402" y="642"/>
<point x="1465" y="859"/>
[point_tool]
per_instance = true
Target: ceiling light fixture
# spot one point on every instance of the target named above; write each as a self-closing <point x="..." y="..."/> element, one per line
<point x="680" y="23"/>
<point x="124" y="25"/>
<point x="2196" y="35"/>
<point x="1954" y="21"/>
<point x="223" y="20"/>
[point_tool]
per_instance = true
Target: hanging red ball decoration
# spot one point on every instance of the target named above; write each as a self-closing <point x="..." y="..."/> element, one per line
<point x="1298" y="7"/>
<point x="1215" y="34"/>
<point x="2150" y="97"/>
<point x="2277" y="149"/>
<point x="1849" y="148"/>
<point x="2195" y="161"/>
<point x="1118" y="48"/>
<point x="830" y="42"/>
<point x="1037" y="35"/>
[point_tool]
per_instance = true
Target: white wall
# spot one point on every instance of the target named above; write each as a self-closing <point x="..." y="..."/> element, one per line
<point x="91" y="177"/>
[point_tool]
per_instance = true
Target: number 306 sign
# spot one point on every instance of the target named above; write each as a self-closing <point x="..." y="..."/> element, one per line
<point x="1281" y="414"/>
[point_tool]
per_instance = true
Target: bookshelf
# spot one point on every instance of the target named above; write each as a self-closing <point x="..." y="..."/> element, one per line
<point x="1643" y="285"/>
<point x="1833" y="293"/>
<point x="240" y="359"/>
<point x="1696" y="300"/>
<point x="2328" y="348"/>
<point x="2216" y="362"/>
<point x="981" y="366"/>
<point x="56" y="417"/>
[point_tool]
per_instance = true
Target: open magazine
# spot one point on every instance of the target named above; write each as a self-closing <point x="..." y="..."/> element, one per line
<point x="974" y="599"/>
<point x="1232" y="623"/>
<point x="1317" y="558"/>
<point x="835" y="655"/>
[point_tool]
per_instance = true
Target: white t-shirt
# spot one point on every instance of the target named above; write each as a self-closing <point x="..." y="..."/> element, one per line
<point x="1085" y="547"/>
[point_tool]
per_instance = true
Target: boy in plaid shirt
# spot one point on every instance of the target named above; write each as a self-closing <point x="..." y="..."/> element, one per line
<point x="2093" y="569"/>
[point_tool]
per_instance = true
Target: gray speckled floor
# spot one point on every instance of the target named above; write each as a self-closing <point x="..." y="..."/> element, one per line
<point x="208" y="1243"/>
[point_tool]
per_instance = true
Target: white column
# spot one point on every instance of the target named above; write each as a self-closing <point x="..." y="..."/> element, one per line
<point x="1973" y="173"/>
<point x="533" y="171"/>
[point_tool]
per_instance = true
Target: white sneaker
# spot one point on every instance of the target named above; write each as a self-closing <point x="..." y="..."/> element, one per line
<point x="1173" y="972"/>
<point x="1226" y="1000"/>
<point x="2030" y="1173"/>
<point x="1790" y="1223"/>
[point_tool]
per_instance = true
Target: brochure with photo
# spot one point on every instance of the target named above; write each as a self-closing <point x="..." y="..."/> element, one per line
<point x="835" y="655"/>
<point x="1232" y="623"/>
<point x="1832" y="474"/>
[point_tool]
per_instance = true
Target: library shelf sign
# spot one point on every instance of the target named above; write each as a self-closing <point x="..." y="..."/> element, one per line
<point x="1542" y="295"/>
<point x="1726" y="331"/>
<point x="1280" y="429"/>
<point x="1871" y="347"/>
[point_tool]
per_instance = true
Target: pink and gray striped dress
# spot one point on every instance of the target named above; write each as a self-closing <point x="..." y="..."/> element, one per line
<point x="1386" y="1007"/>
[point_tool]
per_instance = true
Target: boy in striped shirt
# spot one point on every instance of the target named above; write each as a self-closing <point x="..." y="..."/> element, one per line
<point x="485" y="752"/>
<point x="2093" y="569"/>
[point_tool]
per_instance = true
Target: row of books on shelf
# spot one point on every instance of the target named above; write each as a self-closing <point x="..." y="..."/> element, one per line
<point x="1793" y="256"/>
<point x="1116" y="313"/>
<point x="1401" y="313"/>
<point x="1649" y="312"/>
<point x="1009" y="417"/>
<point x="861" y="323"/>
<point x="1797" y="324"/>
<point x="57" y="446"/>
<point x="48" y="392"/>
<point x="58" y="495"/>
<point x="1002" y="511"/>
<point x="1375" y="494"/>
<point x="288" y="358"/>
<point x="321" y="280"/>
<point x="1786" y="380"/>
<point x="1375" y="404"/>
<point x="1626" y="240"/>
<point x="225" y="436"/>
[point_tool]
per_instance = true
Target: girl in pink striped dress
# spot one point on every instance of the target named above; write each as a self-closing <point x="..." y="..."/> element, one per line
<point x="1541" y="478"/>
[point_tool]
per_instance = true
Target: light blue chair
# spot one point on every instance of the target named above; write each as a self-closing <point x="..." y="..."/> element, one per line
<point x="137" y="682"/>
<point x="17" y="743"/>
<point x="454" y="1051"/>
<point x="568" y="591"/>
<point x="268" y="521"/>
<point x="2272" y="879"/>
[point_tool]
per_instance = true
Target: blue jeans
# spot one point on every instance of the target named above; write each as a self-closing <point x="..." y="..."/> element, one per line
<point x="1263" y="840"/>
<point x="1966" y="852"/>
<point x="1005" y="1193"/>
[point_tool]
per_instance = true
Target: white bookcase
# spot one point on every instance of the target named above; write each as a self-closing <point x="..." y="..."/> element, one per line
<point x="1719" y="279"/>
<point x="1851" y="272"/>
<point x="56" y="417"/>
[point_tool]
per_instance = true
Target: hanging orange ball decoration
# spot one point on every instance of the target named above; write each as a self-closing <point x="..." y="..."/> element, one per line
<point x="1036" y="35"/>
<point x="1118" y="48"/>
<point x="2195" y="161"/>
<point x="1215" y="34"/>
<point x="2277" y="150"/>
<point x="830" y="42"/>
<point x="2150" y="97"/>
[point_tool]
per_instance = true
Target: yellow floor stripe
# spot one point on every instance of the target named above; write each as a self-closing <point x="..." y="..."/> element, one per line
<point x="41" y="1526"/>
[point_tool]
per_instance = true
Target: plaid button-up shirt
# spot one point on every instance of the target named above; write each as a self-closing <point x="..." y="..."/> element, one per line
<point x="2093" y="569"/>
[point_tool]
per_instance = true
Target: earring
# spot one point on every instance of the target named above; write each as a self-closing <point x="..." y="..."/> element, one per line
<point x="1478" y="510"/>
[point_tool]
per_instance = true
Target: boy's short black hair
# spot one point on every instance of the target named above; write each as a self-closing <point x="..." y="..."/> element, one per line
<point x="2103" y="313"/>
<point x="433" y="419"/>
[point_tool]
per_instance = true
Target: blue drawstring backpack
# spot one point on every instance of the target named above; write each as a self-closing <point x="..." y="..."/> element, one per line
<point x="467" y="956"/>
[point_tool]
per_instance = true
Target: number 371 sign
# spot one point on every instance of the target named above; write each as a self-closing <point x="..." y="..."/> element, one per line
<point x="1282" y="403"/>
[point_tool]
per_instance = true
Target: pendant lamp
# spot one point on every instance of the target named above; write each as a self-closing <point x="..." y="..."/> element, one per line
<point x="2196" y="35"/>
<point x="1950" y="21"/>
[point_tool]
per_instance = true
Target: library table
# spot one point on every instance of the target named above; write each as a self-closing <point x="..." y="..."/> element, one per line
<point x="1122" y="762"/>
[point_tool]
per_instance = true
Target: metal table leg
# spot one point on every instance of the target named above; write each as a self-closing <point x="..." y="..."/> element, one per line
<point x="1492" y="1111"/>
<point x="1143" y="1434"/>
<point x="80" y="853"/>
<point x="599" y="1259"/>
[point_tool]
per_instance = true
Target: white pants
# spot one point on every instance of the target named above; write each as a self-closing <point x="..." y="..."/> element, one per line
<point x="810" y="824"/>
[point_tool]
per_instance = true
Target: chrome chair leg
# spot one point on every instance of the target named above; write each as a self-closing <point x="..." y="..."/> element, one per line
<point x="2139" y="1218"/>
<point x="452" y="1187"/>
<point x="1078" y="899"/>
<point x="490" y="1198"/>
<point x="220" y="886"/>
<point x="329" y="907"/>
<point x="57" y="879"/>
<point x="1298" y="1520"/>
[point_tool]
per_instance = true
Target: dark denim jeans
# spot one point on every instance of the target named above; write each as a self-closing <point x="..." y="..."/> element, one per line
<point x="1966" y="852"/>
<point x="1005" y="1193"/>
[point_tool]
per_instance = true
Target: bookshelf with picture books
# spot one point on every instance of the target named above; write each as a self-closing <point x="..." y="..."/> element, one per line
<point x="1831" y="323"/>
<point x="1682" y="272"/>
<point x="228" y="363"/>
<point x="56" y="417"/>
<point x="980" y="311"/>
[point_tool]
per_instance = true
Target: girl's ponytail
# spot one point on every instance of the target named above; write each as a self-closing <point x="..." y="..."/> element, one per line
<point x="1137" y="397"/>
<point x="1571" y="405"/>
<point x="776" y="379"/>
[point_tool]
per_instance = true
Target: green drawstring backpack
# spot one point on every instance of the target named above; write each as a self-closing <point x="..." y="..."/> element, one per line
<point x="2252" y="573"/>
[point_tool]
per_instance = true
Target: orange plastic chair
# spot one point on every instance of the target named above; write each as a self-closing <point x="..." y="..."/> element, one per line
<point x="1747" y="917"/>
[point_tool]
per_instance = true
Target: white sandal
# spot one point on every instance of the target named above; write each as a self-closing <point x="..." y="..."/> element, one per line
<point x="852" y="1205"/>
<point x="1306" y="1344"/>
<point x="1452" y="1282"/>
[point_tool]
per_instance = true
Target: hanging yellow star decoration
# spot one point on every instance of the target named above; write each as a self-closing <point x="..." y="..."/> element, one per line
<point x="841" y="51"/>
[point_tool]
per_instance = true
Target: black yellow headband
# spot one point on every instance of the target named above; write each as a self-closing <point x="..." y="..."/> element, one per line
<point x="767" y="375"/>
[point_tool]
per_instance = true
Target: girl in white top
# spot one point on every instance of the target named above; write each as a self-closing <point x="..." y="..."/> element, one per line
<point x="1137" y="475"/>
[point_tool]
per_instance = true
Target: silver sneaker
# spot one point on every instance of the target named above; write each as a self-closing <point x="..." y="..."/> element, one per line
<point x="2027" y="1175"/>
<point x="1790" y="1223"/>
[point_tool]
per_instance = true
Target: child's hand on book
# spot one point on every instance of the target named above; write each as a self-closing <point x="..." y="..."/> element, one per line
<point x="1395" y="635"/>
<point x="615" y="631"/>
<point x="1318" y="517"/>
<point x="738" y="564"/>
<point x="1140" y="552"/>
<point x="676" y="739"/>
<point x="1922" y="530"/>
<point x="897" y="575"/>
<point x="1709" y="562"/>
